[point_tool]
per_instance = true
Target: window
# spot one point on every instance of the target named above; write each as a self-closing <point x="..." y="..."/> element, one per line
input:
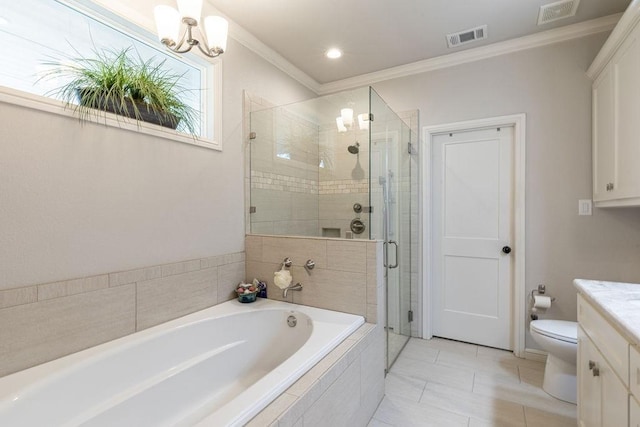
<point x="39" y="31"/>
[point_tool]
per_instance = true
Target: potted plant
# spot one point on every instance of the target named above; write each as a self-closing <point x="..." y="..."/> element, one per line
<point x="124" y="84"/>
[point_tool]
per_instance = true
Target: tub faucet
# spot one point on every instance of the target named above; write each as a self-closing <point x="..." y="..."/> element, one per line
<point x="296" y="287"/>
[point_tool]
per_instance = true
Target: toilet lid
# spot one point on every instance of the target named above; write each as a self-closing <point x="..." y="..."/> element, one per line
<point x="558" y="329"/>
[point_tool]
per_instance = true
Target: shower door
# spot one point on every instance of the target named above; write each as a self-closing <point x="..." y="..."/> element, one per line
<point x="391" y="197"/>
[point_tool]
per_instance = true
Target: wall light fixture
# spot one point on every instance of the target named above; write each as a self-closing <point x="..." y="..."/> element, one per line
<point x="213" y="40"/>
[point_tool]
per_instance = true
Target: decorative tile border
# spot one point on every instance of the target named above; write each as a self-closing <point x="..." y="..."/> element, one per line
<point x="46" y="291"/>
<point x="272" y="181"/>
<point x="345" y="186"/>
<point x="50" y="320"/>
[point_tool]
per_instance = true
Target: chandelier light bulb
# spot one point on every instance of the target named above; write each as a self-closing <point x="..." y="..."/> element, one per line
<point x="363" y="121"/>
<point x="347" y="116"/>
<point x="216" y="30"/>
<point x="167" y="23"/>
<point x="340" y="123"/>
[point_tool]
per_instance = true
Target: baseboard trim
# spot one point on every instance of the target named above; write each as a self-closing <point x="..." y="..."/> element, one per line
<point x="534" y="354"/>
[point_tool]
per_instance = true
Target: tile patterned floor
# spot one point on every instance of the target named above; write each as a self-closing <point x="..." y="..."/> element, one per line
<point x="446" y="383"/>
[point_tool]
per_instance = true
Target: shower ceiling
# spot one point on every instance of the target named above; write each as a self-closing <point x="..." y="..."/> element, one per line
<point x="380" y="34"/>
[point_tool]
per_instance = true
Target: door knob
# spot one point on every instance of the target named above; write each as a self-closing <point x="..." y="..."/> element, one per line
<point x="506" y="249"/>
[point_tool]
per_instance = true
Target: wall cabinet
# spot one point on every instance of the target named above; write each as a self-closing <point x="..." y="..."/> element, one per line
<point x="604" y="391"/>
<point x="616" y="117"/>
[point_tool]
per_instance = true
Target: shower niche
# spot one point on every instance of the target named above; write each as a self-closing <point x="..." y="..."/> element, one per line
<point x="340" y="166"/>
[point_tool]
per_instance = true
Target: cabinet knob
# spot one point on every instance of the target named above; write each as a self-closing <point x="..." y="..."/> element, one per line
<point x="592" y="364"/>
<point x="596" y="372"/>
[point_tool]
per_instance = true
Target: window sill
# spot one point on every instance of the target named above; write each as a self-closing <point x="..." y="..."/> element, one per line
<point x="41" y="103"/>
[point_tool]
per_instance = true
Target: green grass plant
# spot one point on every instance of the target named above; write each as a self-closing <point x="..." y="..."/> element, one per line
<point x="120" y="81"/>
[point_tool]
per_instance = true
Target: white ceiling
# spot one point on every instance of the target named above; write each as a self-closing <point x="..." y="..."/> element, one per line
<point x="380" y="34"/>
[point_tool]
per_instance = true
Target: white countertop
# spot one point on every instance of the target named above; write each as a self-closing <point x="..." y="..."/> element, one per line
<point x="617" y="302"/>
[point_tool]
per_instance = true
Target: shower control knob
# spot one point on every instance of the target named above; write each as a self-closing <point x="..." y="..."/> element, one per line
<point x="357" y="207"/>
<point x="357" y="226"/>
<point x="506" y="249"/>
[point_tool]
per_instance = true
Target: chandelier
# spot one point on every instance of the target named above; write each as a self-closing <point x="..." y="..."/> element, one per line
<point x="345" y="120"/>
<point x="213" y="40"/>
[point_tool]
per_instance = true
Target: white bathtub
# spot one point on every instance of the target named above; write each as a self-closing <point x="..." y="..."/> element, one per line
<point x="220" y="366"/>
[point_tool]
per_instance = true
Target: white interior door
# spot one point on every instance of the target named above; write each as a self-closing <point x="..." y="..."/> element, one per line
<point x="473" y="183"/>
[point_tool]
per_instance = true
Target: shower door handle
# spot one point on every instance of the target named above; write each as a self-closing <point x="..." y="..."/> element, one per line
<point x="395" y="244"/>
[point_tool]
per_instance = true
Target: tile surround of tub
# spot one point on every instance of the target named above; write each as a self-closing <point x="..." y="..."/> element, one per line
<point x="344" y="388"/>
<point x="50" y="320"/>
<point x="346" y="277"/>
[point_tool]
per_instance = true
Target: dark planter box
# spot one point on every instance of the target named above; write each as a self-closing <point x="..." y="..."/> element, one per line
<point x="144" y="113"/>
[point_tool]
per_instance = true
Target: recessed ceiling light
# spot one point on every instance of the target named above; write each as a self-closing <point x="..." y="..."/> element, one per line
<point x="334" y="53"/>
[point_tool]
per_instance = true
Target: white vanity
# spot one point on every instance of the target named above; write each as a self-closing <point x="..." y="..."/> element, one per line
<point x="608" y="357"/>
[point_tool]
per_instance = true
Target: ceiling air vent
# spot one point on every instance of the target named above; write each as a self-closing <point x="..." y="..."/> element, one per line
<point x="467" y="36"/>
<point x="558" y="10"/>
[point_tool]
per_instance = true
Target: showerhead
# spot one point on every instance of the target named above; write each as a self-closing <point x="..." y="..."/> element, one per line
<point x="354" y="149"/>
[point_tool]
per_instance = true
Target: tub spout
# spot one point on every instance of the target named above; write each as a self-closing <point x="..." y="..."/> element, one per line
<point x="296" y="287"/>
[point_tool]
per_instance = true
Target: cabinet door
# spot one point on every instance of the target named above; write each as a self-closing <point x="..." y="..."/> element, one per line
<point x="626" y="67"/>
<point x="634" y="412"/>
<point x="603" y="136"/>
<point x="614" y="397"/>
<point x="589" y="386"/>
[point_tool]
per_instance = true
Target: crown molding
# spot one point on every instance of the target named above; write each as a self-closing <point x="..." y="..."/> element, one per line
<point x="627" y="23"/>
<point x="238" y="33"/>
<point x="252" y="43"/>
<point x="544" y="38"/>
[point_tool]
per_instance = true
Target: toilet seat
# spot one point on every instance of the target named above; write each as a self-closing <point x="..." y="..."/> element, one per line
<point x="562" y="330"/>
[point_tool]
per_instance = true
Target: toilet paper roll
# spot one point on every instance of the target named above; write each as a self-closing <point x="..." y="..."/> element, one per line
<point x="541" y="301"/>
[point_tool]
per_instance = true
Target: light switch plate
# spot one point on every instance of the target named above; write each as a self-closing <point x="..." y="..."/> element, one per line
<point x="585" y="207"/>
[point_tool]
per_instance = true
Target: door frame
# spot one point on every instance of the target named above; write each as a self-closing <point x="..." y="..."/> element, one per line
<point x="518" y="121"/>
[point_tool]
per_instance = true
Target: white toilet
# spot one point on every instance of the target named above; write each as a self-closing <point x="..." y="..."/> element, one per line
<point x="559" y="338"/>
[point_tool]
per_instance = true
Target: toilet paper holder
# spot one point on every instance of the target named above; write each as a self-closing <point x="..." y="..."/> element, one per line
<point x="542" y="290"/>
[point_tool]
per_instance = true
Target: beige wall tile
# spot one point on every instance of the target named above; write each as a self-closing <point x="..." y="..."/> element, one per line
<point x="372" y="271"/>
<point x="271" y="412"/>
<point x="276" y="249"/>
<point x="347" y="255"/>
<point x="339" y="403"/>
<point x="180" y="267"/>
<point x="253" y="247"/>
<point x="132" y="276"/>
<point x="52" y="290"/>
<point x="372" y="313"/>
<point x="229" y="276"/>
<point x="333" y="290"/>
<point x="372" y="365"/>
<point x="211" y="262"/>
<point x="18" y="296"/>
<point x="234" y="258"/>
<point x="35" y="333"/>
<point x="160" y="300"/>
<point x="87" y="284"/>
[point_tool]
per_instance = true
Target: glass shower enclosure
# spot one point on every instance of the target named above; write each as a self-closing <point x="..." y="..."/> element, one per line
<point x="340" y="166"/>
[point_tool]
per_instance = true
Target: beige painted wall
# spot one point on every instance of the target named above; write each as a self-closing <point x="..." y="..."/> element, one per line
<point x="549" y="85"/>
<point x="83" y="200"/>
